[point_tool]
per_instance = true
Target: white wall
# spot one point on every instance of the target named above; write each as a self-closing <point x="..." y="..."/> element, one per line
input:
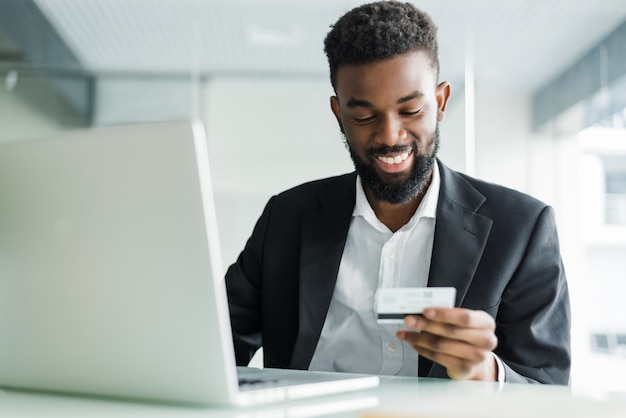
<point x="502" y="132"/>
<point x="266" y="136"/>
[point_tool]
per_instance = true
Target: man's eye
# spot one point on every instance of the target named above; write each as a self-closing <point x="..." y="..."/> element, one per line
<point x="411" y="113"/>
<point x="362" y="119"/>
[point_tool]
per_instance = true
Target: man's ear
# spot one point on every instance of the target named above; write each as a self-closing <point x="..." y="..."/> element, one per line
<point x="442" y="94"/>
<point x="334" y="106"/>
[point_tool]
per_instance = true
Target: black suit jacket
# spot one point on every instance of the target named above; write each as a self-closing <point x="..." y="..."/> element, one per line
<point x="497" y="247"/>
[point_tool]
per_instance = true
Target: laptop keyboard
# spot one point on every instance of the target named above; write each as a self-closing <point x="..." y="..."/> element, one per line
<point x="243" y="382"/>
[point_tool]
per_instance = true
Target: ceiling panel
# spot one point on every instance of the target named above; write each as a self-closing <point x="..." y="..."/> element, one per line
<point x="517" y="44"/>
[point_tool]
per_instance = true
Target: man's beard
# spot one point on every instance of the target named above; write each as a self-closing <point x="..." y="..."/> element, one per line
<point x="404" y="190"/>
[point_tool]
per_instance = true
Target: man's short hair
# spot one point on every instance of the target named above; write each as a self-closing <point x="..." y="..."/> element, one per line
<point x="379" y="31"/>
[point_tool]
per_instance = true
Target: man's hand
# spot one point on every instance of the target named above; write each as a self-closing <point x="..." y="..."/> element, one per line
<point x="459" y="339"/>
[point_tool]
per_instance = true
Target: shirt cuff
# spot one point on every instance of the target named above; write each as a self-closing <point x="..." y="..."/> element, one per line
<point x="500" y="366"/>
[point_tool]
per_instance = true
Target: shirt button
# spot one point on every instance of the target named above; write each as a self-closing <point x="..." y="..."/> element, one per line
<point x="391" y="254"/>
<point x="392" y="347"/>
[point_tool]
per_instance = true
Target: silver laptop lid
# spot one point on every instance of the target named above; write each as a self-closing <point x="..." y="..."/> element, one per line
<point x="109" y="263"/>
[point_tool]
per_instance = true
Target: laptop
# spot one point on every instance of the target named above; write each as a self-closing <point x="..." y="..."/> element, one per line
<point x="111" y="281"/>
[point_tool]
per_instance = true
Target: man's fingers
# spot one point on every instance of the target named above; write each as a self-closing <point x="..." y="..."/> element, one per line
<point x="461" y="317"/>
<point x="484" y="338"/>
<point x="463" y="349"/>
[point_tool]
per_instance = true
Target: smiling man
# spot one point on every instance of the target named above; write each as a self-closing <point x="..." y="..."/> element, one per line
<point x="304" y="286"/>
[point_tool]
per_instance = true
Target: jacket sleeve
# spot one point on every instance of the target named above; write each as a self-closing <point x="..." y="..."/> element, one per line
<point x="533" y="322"/>
<point x="243" y="287"/>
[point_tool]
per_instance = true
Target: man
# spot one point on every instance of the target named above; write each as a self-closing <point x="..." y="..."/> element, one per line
<point x="304" y="286"/>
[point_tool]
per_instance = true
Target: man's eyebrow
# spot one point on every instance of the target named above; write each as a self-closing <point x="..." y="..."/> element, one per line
<point x="415" y="95"/>
<point x="359" y="103"/>
<point x="352" y="103"/>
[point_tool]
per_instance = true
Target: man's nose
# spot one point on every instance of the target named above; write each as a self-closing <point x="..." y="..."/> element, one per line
<point x="391" y="131"/>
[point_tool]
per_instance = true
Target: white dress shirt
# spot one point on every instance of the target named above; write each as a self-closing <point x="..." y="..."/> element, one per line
<point x="352" y="340"/>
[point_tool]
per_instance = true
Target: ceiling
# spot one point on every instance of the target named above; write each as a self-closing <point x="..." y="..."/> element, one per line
<point x="515" y="44"/>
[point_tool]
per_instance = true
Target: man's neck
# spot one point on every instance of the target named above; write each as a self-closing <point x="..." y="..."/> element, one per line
<point x="395" y="216"/>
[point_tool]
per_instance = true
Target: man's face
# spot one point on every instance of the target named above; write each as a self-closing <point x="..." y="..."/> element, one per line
<point x="389" y="113"/>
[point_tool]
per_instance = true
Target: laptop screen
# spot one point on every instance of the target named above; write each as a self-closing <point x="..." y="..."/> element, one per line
<point x="110" y="275"/>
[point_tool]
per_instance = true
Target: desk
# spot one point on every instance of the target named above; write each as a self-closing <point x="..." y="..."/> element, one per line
<point x="396" y="397"/>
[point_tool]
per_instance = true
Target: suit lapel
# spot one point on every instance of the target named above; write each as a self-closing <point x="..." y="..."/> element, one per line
<point x="324" y="232"/>
<point x="460" y="237"/>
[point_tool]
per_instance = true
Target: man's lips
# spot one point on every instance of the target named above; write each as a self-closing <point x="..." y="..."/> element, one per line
<point x="395" y="163"/>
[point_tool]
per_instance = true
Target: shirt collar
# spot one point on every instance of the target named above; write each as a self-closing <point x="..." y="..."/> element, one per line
<point x="426" y="209"/>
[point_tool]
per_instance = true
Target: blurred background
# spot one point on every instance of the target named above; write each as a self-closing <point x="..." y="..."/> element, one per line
<point x="538" y="104"/>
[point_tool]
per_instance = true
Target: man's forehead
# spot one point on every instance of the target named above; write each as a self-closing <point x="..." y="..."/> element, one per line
<point x="402" y="73"/>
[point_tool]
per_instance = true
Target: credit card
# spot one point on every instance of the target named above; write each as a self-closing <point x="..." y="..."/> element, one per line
<point x="393" y="304"/>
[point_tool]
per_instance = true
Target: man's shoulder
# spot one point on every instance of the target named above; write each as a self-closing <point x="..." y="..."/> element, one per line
<point x="334" y="195"/>
<point x="499" y="191"/>
<point x="494" y="197"/>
